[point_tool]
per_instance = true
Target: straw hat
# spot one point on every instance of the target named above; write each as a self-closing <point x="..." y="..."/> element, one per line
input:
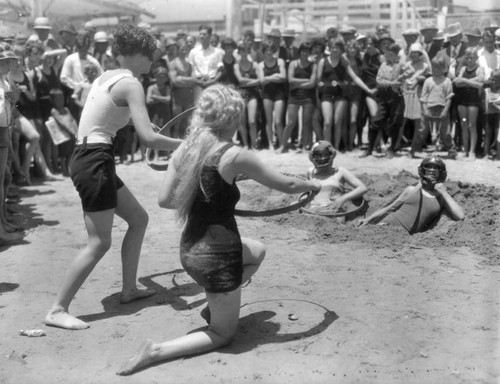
<point x="416" y="47"/>
<point x="6" y="53"/>
<point x="275" y="32"/>
<point x="439" y="35"/>
<point x="411" y="32"/>
<point x="386" y="36"/>
<point x="42" y="23"/>
<point x="101" y="37"/>
<point x="169" y="41"/>
<point x="348" y="29"/>
<point x="475" y="32"/>
<point x="69" y="28"/>
<point x="288" y="33"/>
<point x="492" y="28"/>
<point x="429" y="26"/>
<point x="453" y="30"/>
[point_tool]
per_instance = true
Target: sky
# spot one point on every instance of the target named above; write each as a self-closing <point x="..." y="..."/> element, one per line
<point x="479" y="4"/>
<point x="193" y="9"/>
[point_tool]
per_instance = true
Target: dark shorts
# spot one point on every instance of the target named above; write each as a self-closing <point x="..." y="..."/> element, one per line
<point x="273" y="92"/>
<point x="4" y="137"/>
<point x="92" y="169"/>
<point x="215" y="261"/>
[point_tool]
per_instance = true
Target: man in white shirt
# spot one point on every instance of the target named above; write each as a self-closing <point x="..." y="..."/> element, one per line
<point x="206" y="61"/>
<point x="72" y="70"/>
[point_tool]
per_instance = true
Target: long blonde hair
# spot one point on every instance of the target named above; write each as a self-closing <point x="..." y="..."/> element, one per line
<point x="216" y="116"/>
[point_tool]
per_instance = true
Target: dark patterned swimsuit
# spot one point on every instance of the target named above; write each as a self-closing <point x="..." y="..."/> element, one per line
<point x="273" y="91"/>
<point x="211" y="250"/>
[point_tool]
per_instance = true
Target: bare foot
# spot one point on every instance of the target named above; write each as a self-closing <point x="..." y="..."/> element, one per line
<point x="136" y="294"/>
<point x="63" y="319"/>
<point x="8" y="237"/>
<point x="142" y="359"/>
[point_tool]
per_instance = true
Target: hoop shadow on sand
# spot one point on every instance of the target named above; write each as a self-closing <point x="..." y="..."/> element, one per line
<point x="171" y="296"/>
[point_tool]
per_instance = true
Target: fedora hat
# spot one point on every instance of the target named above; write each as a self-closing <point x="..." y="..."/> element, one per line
<point x="69" y="28"/>
<point x="6" y="52"/>
<point x="288" y="33"/>
<point x="275" y="32"/>
<point x="169" y="41"/>
<point x="475" y="32"/>
<point x="348" y="29"/>
<point x="42" y="23"/>
<point x="429" y="26"/>
<point x="386" y="36"/>
<point x="492" y="28"/>
<point x="453" y="30"/>
<point x="439" y="35"/>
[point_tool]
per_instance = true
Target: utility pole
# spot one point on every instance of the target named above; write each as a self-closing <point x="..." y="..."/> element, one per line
<point x="233" y="20"/>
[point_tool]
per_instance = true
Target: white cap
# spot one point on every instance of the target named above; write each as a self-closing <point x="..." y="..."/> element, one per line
<point x="101" y="37"/>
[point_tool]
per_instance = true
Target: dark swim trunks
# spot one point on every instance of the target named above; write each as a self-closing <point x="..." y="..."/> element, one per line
<point x="93" y="171"/>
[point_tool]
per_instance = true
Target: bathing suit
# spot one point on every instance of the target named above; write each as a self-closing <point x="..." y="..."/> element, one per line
<point x="249" y="92"/>
<point x="416" y="212"/>
<point x="468" y="96"/>
<point x="337" y="74"/>
<point x="273" y="91"/>
<point x="211" y="249"/>
<point x="302" y="96"/>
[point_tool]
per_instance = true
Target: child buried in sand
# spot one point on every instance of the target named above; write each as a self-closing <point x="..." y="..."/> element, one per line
<point x="339" y="186"/>
<point x="420" y="206"/>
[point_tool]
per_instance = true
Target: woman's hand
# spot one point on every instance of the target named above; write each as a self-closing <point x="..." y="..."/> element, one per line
<point x="315" y="186"/>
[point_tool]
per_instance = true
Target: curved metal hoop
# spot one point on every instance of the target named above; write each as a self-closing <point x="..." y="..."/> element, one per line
<point x="169" y="124"/>
<point x="358" y="208"/>
<point x="308" y="197"/>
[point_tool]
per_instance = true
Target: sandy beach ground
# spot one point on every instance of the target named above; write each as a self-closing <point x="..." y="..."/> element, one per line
<point x="332" y="303"/>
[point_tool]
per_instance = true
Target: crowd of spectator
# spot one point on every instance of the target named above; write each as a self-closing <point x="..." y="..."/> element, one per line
<point x="438" y="90"/>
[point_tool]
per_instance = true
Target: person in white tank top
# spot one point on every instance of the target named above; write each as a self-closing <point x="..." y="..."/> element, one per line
<point x="115" y="98"/>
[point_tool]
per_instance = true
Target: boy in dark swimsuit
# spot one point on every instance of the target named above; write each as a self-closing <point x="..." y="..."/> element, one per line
<point x="419" y="206"/>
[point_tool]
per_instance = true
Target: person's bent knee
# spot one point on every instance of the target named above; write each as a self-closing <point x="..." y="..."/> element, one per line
<point x="100" y="245"/>
<point x="140" y="218"/>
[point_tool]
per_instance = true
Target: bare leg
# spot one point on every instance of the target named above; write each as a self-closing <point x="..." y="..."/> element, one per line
<point x="340" y="129"/>
<point x="268" y="109"/>
<point x="292" y="114"/>
<point x="462" y="112"/>
<point x="327" y="110"/>
<point x="472" y="113"/>
<point x="242" y="129"/>
<point x="353" y="126"/>
<point x="136" y="217"/>
<point x="252" y="121"/>
<point x="278" y="119"/>
<point x="99" y="225"/>
<point x="224" y="308"/>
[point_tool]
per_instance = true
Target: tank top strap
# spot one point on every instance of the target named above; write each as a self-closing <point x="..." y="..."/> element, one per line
<point x="218" y="154"/>
<point x="111" y="81"/>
